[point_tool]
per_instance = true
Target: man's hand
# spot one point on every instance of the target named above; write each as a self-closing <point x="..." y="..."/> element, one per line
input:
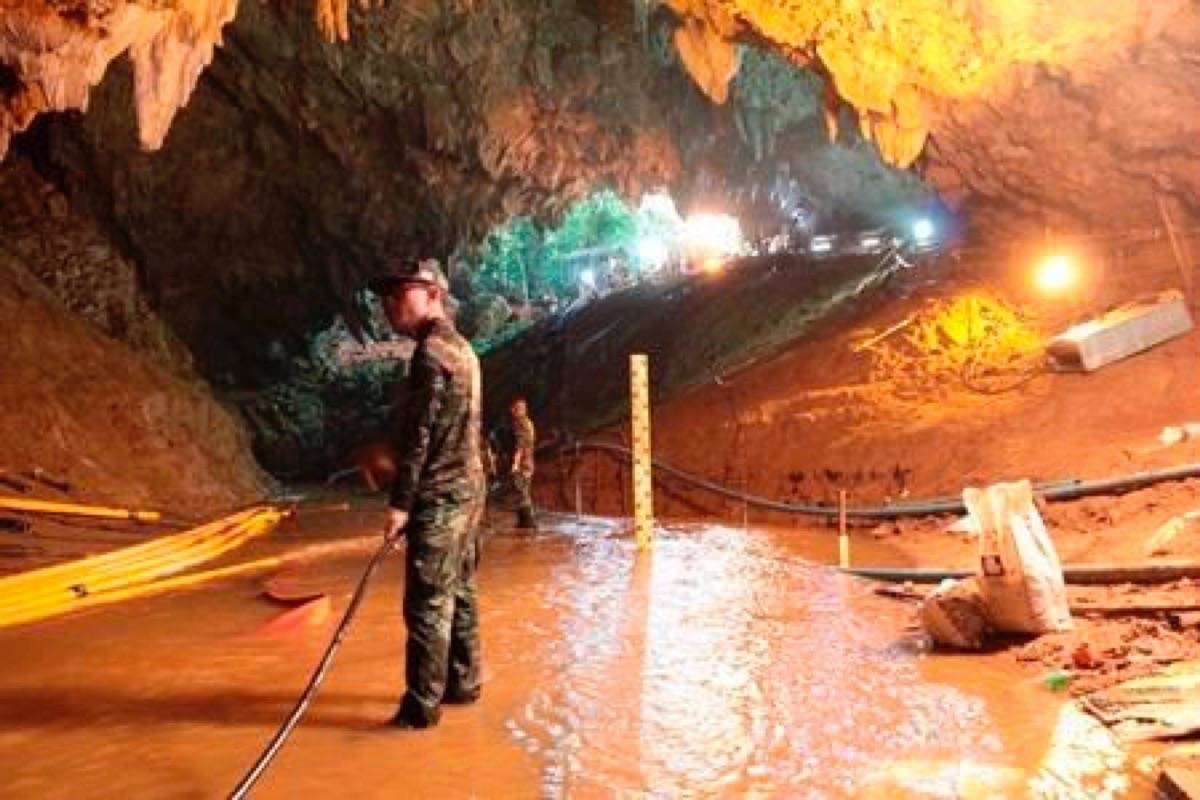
<point x="396" y="522"/>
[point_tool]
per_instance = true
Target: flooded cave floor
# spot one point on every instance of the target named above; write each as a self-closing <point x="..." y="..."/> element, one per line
<point x="725" y="662"/>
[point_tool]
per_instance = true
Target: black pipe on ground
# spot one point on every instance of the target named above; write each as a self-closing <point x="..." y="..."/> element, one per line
<point x="1076" y="574"/>
<point x="1066" y="489"/>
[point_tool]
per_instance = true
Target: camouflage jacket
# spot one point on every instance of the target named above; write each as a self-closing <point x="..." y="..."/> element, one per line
<point x="437" y="440"/>
<point x="526" y="439"/>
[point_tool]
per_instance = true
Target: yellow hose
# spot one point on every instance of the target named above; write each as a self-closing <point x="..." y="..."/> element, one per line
<point x="132" y="571"/>
<point x="144" y="590"/>
<point x="126" y="555"/>
<point x="75" y="510"/>
<point x="65" y="591"/>
<point x="137" y="560"/>
<point x="85" y="580"/>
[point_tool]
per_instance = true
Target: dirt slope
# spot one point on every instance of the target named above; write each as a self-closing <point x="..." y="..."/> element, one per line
<point x="122" y="430"/>
<point x="884" y="422"/>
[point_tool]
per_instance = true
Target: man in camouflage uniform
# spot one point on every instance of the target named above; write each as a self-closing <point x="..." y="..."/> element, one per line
<point x="522" y="466"/>
<point x="437" y="496"/>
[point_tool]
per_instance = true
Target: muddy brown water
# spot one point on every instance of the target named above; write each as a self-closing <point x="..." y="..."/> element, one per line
<point x="726" y="663"/>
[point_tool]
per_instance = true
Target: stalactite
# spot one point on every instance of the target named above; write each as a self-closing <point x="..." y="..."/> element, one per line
<point x="891" y="60"/>
<point x="333" y="19"/>
<point x="57" y="54"/>
<point x="711" y="60"/>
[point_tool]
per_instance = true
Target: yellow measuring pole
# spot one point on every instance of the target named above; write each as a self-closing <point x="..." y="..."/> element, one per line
<point x="843" y="536"/>
<point x="643" y="486"/>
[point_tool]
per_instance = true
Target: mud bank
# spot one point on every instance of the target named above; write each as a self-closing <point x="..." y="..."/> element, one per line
<point x="118" y="427"/>
<point x="895" y="420"/>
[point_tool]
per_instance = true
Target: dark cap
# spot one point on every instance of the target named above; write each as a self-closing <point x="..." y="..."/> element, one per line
<point x="426" y="272"/>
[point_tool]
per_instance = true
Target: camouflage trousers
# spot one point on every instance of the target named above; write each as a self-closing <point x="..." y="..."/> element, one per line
<point x="441" y="607"/>
<point x="524" y="485"/>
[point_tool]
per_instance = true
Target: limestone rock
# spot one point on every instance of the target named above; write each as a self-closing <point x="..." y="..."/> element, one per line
<point x="57" y="51"/>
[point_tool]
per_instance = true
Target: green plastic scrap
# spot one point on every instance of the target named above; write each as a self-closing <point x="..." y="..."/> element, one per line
<point x="1058" y="679"/>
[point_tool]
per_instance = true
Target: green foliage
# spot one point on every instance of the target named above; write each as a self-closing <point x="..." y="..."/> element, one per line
<point x="521" y="256"/>
<point x="304" y="425"/>
<point x="656" y="221"/>
<point x="508" y="257"/>
<point x="602" y="220"/>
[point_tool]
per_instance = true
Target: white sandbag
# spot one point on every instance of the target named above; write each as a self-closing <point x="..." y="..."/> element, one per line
<point x="953" y="615"/>
<point x="966" y="525"/>
<point x="1020" y="576"/>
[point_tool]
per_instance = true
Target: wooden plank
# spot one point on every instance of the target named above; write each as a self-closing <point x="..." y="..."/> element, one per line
<point x="1177" y="783"/>
<point x="1161" y="706"/>
<point x="1182" y="257"/>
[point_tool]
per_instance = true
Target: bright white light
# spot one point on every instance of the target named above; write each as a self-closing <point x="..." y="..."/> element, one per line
<point x="923" y="230"/>
<point x="714" y="234"/>
<point x="659" y="204"/>
<point x="871" y="241"/>
<point x="588" y="277"/>
<point x="652" y="252"/>
<point x="820" y="244"/>
<point x="1056" y="274"/>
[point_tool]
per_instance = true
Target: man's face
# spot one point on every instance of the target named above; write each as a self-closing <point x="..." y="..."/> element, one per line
<point x="518" y="408"/>
<point x="407" y="306"/>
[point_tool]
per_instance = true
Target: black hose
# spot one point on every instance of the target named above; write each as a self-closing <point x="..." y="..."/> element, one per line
<point x="1066" y="489"/>
<point x="277" y="741"/>
<point x="1076" y="574"/>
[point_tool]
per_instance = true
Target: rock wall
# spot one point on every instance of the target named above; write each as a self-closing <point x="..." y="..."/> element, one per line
<point x="93" y="385"/>
<point x="82" y="267"/>
<point x="1095" y="144"/>
<point x="301" y="166"/>
<point x="1023" y="114"/>
<point x="121" y="429"/>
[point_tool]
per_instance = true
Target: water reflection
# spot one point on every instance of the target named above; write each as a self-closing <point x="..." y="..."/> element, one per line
<point x="721" y="663"/>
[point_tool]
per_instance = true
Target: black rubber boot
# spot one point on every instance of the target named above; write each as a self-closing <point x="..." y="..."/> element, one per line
<point x="461" y="697"/>
<point x="412" y="715"/>
<point x="525" y="519"/>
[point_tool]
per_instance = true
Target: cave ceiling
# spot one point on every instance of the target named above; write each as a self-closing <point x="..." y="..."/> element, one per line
<point x="258" y="160"/>
<point x="1024" y="114"/>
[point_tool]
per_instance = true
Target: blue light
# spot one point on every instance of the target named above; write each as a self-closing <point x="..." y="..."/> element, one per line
<point x="923" y="230"/>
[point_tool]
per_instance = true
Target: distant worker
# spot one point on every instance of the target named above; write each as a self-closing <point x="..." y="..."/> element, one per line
<point x="522" y="464"/>
<point x="436" y="497"/>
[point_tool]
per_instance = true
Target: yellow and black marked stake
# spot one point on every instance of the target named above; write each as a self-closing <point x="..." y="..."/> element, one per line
<point x="643" y="485"/>
<point x="843" y="536"/>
